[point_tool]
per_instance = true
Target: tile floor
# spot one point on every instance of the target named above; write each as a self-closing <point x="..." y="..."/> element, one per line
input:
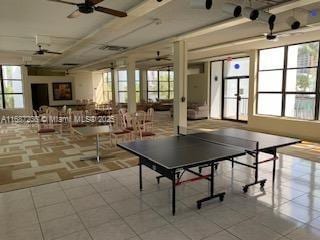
<point x="110" y="206"/>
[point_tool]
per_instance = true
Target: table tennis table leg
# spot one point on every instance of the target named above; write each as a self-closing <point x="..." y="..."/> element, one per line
<point x="256" y="174"/>
<point x="173" y="192"/>
<point x="212" y="195"/>
<point x="274" y="165"/>
<point x="97" y="147"/>
<point x="140" y="174"/>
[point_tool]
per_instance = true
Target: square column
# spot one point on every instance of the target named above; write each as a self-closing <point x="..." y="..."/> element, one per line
<point x="180" y="67"/>
<point x="132" y="105"/>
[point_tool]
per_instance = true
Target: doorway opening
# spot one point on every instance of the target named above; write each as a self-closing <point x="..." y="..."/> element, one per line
<point x="40" y="95"/>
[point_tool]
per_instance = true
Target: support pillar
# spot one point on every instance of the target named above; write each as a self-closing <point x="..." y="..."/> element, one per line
<point x="132" y="105"/>
<point x="180" y="66"/>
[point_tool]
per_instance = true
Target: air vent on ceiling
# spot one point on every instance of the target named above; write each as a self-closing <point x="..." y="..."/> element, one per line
<point x="113" y="48"/>
<point x="70" y="64"/>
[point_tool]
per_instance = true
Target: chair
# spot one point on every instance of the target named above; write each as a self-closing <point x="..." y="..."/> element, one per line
<point x="141" y="117"/>
<point x="43" y="109"/>
<point x="53" y="115"/>
<point x="150" y="118"/>
<point x="76" y="120"/>
<point x="122" y="111"/>
<point x="139" y="131"/>
<point x="45" y="128"/>
<point x="127" y="121"/>
<point x="118" y="130"/>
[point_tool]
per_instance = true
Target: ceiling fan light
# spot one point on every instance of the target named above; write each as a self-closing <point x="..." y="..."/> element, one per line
<point x="293" y="23"/>
<point x="250" y="13"/>
<point x="201" y="4"/>
<point x="267" y="17"/>
<point x="233" y="9"/>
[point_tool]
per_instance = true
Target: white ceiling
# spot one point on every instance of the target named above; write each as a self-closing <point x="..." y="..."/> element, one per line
<point x="79" y="39"/>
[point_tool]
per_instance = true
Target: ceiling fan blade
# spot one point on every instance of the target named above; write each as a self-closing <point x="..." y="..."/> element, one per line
<point x="93" y="2"/>
<point x="110" y="11"/>
<point x="50" y="52"/>
<point x="65" y="2"/>
<point x="75" y="14"/>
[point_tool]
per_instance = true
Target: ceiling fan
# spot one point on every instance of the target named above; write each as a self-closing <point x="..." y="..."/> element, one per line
<point x="42" y="51"/>
<point x="159" y="58"/>
<point x="89" y="6"/>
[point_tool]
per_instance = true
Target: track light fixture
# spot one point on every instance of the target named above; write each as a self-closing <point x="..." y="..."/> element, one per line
<point x="201" y="4"/>
<point x="293" y="23"/>
<point x="267" y="17"/>
<point x="233" y="9"/>
<point x="250" y="13"/>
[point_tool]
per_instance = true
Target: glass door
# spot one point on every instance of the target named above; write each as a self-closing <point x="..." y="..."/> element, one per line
<point x="230" y="109"/>
<point x="243" y="99"/>
<point x="236" y="95"/>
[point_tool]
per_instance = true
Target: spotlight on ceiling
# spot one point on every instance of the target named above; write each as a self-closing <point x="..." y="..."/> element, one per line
<point x="159" y="0"/>
<point x="293" y="23"/>
<point x="250" y="13"/>
<point x="267" y="17"/>
<point x="201" y="4"/>
<point x="233" y="9"/>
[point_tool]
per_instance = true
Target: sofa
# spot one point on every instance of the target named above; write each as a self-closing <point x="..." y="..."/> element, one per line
<point x="197" y="111"/>
<point x="163" y="105"/>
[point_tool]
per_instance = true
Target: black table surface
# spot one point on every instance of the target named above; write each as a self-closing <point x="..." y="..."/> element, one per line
<point x="180" y="151"/>
<point x="265" y="141"/>
<point x="194" y="149"/>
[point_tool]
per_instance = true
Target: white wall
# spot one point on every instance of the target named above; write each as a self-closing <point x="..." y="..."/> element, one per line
<point x="48" y="80"/>
<point x="83" y="84"/>
<point x="97" y="86"/>
<point x="216" y="90"/>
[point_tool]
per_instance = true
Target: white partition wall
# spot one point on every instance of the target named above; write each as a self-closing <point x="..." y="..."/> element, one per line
<point x="216" y="89"/>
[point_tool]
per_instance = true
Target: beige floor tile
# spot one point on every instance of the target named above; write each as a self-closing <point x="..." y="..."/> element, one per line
<point x="88" y="202"/>
<point x="145" y="221"/>
<point x="305" y="233"/>
<point x="115" y="230"/>
<point x="251" y="230"/>
<point x="61" y="226"/>
<point x="55" y="211"/>
<point x="43" y="199"/>
<point x="97" y="216"/>
<point x="197" y="227"/>
<point x="164" y="233"/>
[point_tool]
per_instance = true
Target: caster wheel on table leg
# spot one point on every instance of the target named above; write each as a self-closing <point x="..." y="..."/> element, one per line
<point x="262" y="185"/>
<point x="199" y="205"/>
<point x="221" y="198"/>
<point x="245" y="189"/>
<point x="216" y="167"/>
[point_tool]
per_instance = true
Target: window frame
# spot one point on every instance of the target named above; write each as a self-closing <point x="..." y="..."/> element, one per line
<point x="2" y="87"/>
<point x="158" y="91"/>
<point x="284" y="93"/>
<point x="106" y="81"/>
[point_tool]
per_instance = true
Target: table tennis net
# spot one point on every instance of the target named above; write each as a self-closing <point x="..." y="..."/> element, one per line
<point x="214" y="137"/>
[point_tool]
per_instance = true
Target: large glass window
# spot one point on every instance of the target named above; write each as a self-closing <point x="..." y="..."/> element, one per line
<point x="107" y="86"/>
<point x="160" y="84"/>
<point x="288" y="80"/>
<point x="137" y="86"/>
<point x="11" y="90"/>
<point x="123" y="86"/>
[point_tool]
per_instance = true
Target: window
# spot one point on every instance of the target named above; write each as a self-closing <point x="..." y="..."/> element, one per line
<point x="123" y="86"/>
<point x="107" y="86"/>
<point x="160" y="84"/>
<point x="288" y="84"/>
<point x="137" y="86"/>
<point x="11" y="90"/>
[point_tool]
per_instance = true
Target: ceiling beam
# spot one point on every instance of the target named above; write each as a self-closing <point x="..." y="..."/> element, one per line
<point x="241" y="20"/>
<point x="135" y="13"/>
<point x="277" y="9"/>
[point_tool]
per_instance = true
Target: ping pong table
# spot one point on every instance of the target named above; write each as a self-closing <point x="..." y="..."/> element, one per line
<point x="171" y="156"/>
